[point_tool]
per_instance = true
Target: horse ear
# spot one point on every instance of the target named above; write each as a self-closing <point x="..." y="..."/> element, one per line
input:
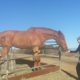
<point x="59" y="32"/>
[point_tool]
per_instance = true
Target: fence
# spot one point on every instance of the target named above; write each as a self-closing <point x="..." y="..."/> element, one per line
<point x="10" y="60"/>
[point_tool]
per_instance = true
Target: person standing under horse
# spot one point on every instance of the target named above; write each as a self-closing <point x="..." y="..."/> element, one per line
<point x="78" y="64"/>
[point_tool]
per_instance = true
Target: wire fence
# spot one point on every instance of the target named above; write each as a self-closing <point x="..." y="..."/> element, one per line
<point x="8" y="59"/>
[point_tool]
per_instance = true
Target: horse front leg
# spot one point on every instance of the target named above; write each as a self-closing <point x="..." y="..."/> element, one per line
<point x="36" y="57"/>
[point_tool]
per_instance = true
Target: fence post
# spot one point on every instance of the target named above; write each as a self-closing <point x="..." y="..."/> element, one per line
<point x="59" y="58"/>
<point x="7" y="69"/>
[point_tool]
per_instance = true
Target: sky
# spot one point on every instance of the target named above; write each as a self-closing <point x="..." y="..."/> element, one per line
<point x="61" y="15"/>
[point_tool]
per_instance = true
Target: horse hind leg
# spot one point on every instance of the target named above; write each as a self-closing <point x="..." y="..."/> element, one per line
<point x="4" y="51"/>
<point x="3" y="56"/>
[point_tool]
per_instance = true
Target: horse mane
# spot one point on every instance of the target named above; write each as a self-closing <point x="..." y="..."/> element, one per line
<point x="59" y="32"/>
<point x="42" y="28"/>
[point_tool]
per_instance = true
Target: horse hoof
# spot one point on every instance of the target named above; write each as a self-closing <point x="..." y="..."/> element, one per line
<point x="39" y="68"/>
<point x="35" y="69"/>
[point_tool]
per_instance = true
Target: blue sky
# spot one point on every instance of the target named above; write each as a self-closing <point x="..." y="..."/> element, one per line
<point x="61" y="15"/>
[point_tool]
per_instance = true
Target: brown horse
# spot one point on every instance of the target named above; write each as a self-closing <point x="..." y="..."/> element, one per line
<point x="31" y="38"/>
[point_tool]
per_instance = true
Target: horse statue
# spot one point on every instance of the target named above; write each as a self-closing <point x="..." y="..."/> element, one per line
<point x="31" y="38"/>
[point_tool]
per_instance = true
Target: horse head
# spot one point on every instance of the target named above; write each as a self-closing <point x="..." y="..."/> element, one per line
<point x="60" y="39"/>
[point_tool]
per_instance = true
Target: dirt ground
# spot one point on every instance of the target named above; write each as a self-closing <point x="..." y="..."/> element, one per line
<point x="69" y="62"/>
<point x="68" y="67"/>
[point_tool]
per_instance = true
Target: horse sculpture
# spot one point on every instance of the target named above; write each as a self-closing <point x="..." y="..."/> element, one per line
<point x="31" y="38"/>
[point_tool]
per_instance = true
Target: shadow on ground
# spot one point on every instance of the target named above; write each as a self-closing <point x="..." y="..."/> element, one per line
<point x="23" y="61"/>
<point x="28" y="62"/>
<point x="71" y="75"/>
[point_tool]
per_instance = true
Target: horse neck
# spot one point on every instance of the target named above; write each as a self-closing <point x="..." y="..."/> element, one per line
<point x="49" y="34"/>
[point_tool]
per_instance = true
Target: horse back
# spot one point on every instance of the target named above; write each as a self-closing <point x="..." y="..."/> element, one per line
<point x="19" y="38"/>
